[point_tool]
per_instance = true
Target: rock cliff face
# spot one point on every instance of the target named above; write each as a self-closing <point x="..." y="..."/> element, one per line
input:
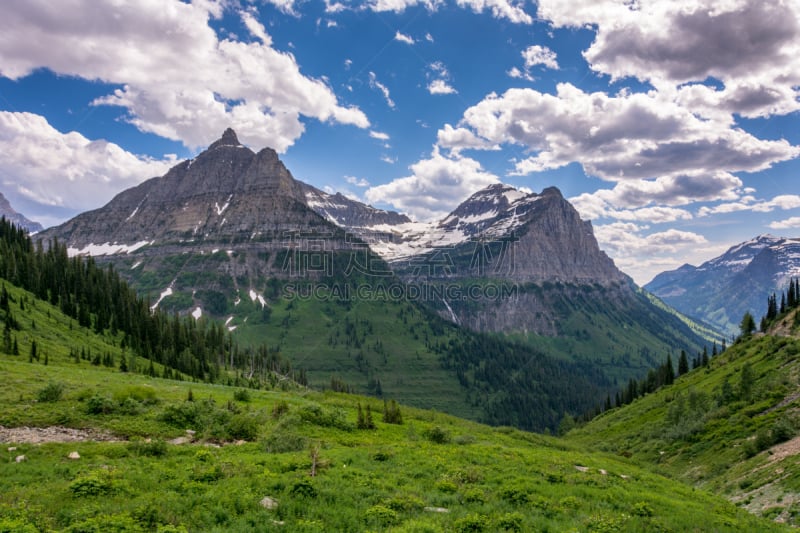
<point x="723" y="289"/>
<point x="17" y="218"/>
<point x="226" y="193"/>
<point x="502" y="233"/>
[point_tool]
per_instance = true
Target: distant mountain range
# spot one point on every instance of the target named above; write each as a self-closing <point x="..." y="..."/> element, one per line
<point x="233" y="235"/>
<point x="17" y="218"/>
<point x="721" y="290"/>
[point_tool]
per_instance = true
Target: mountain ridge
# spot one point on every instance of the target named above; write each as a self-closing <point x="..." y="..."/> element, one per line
<point x="17" y="218"/>
<point x="721" y="290"/>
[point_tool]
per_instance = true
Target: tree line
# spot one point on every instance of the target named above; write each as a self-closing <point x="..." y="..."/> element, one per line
<point x="97" y="297"/>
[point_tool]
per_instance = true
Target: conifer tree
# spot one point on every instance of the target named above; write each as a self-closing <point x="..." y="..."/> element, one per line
<point x="683" y="364"/>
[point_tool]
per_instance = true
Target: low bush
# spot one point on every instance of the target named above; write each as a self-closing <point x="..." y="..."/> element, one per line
<point x="52" y="392"/>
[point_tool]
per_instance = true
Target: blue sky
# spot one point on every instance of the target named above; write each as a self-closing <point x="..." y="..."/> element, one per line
<point x="672" y="126"/>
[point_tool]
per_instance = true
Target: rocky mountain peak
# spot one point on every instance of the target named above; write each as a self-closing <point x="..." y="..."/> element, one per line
<point x="228" y="138"/>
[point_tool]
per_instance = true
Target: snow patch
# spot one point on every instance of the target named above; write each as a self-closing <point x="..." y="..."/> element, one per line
<point x="197" y="313"/>
<point x="228" y="320"/>
<point x="222" y="209"/>
<point x="106" y="248"/>
<point x="253" y="295"/>
<point x="166" y="292"/>
<point x="261" y="301"/>
<point x="136" y="264"/>
<point x="231" y="328"/>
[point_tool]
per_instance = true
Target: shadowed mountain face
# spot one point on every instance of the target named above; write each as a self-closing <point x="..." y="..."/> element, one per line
<point x="723" y="289"/>
<point x="17" y="218"/>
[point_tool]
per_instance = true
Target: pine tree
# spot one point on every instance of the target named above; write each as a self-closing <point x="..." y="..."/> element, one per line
<point x="704" y="357"/>
<point x="747" y="325"/>
<point x="683" y="364"/>
<point x="34" y="352"/>
<point x="15" y="349"/>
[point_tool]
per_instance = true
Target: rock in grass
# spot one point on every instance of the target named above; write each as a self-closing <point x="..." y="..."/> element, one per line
<point x="269" y="503"/>
<point x="436" y="510"/>
<point x="74" y="455"/>
<point x="20" y="458"/>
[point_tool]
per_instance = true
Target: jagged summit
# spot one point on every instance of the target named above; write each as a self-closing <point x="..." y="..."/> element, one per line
<point x="228" y="138"/>
<point x="226" y="192"/>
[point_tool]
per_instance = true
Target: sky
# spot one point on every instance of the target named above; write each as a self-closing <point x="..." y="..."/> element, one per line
<point x="672" y="126"/>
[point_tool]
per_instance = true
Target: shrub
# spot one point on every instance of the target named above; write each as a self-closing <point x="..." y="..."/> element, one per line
<point x="515" y="494"/>
<point x="304" y="489"/>
<point x="280" y="409"/>
<point x="241" y="395"/>
<point x="106" y="523"/>
<point x="381" y="516"/>
<point x="405" y="503"/>
<point x="182" y="415"/>
<point x="322" y="416"/>
<point x="642" y="509"/>
<point x="446" y="486"/>
<point x="52" y="392"/>
<point x="99" y="405"/>
<point x="510" y="522"/>
<point x="92" y="484"/>
<point x="244" y="427"/>
<point x="472" y="523"/>
<point x="437" y="435"/>
<point x="141" y="393"/>
<point x="474" y="496"/>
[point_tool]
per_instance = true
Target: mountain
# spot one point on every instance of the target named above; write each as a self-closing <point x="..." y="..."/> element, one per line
<point x="17" y="218"/>
<point x="366" y="300"/>
<point x="729" y="428"/>
<point x="526" y="265"/>
<point x="721" y="290"/>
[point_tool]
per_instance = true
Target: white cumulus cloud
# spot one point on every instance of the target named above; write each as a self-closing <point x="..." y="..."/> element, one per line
<point x="440" y="87"/>
<point x="178" y="78"/>
<point x="43" y="168"/>
<point x="434" y="188"/>
<point x="403" y="38"/>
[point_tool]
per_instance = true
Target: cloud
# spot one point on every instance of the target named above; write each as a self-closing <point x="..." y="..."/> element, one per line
<point x="42" y="168"/>
<point x="540" y="55"/>
<point x="516" y="73"/>
<point x="789" y="223"/>
<point x="375" y="84"/>
<point x="284" y="6"/>
<point x="435" y="187"/>
<point x="618" y="138"/>
<point x="457" y="139"/>
<point x="500" y="9"/>
<point x="642" y="255"/>
<point x="750" y="203"/>
<point x="358" y="182"/>
<point x="388" y="159"/>
<point x="429" y="37"/>
<point x="379" y="135"/>
<point x="177" y="78"/>
<point x="752" y="47"/>
<point x="403" y="38"/>
<point x="440" y="87"/>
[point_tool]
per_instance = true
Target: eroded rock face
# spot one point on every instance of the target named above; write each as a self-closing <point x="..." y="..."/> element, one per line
<point x="227" y="192"/>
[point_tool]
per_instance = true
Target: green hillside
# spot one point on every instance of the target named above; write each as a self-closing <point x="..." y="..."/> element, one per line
<point x="285" y="458"/>
<point x="729" y="428"/>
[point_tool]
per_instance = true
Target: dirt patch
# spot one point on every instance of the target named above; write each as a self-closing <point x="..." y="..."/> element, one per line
<point x="26" y="435"/>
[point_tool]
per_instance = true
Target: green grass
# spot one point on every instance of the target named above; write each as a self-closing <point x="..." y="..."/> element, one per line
<point x="380" y="479"/>
<point x="691" y="432"/>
